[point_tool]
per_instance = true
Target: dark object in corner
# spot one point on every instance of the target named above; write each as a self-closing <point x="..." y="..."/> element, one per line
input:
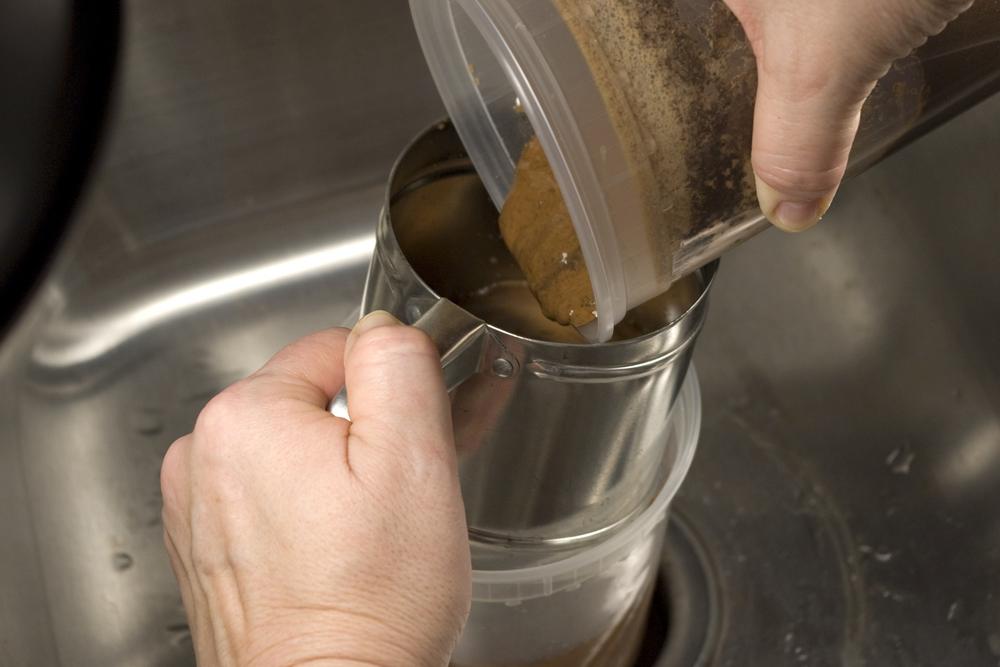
<point x="57" y="66"/>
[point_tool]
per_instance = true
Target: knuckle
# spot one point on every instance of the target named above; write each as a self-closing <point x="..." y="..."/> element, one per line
<point x="209" y="563"/>
<point x="222" y="410"/>
<point x="804" y="182"/>
<point x="216" y="441"/>
<point x="930" y="17"/>
<point x="899" y="26"/>
<point x="173" y="473"/>
<point x="400" y="458"/>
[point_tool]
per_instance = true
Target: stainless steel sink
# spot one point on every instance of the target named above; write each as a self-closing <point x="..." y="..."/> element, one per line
<point x="845" y="505"/>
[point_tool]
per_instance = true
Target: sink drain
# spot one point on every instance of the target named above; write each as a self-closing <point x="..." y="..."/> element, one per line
<point x="685" y="623"/>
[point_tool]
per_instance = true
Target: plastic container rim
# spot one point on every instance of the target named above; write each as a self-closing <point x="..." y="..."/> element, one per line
<point x="527" y="71"/>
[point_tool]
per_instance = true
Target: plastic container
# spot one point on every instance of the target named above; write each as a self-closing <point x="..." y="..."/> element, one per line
<point x="616" y="134"/>
<point x="586" y="605"/>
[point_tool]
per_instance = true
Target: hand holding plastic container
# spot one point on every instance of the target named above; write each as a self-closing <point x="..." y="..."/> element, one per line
<point x="645" y="110"/>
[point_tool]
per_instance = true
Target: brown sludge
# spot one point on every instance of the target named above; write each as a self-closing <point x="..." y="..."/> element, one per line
<point x="679" y="81"/>
<point x="679" y="90"/>
<point x="537" y="228"/>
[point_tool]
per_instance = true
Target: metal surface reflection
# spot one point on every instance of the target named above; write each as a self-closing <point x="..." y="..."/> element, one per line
<point x="99" y="334"/>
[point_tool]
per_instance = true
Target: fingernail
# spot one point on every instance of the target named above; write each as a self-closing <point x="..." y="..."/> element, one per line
<point x="797" y="216"/>
<point x="789" y="215"/>
<point x="373" y="320"/>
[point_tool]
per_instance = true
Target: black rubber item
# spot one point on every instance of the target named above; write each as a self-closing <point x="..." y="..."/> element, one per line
<point x="57" y="67"/>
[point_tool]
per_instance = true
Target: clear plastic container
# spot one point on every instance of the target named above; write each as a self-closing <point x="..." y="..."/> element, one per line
<point x="616" y="133"/>
<point x="585" y="605"/>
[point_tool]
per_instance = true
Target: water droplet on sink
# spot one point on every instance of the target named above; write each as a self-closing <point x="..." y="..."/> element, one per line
<point x="180" y="634"/>
<point x="900" y="460"/>
<point x="122" y="561"/>
<point x="147" y="421"/>
<point x="883" y="556"/>
<point x="994" y="642"/>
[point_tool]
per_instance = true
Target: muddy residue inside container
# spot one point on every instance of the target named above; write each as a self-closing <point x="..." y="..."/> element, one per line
<point x="679" y="85"/>
<point x="537" y="228"/>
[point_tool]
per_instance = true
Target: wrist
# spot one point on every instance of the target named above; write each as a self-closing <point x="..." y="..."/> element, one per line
<point x="341" y="642"/>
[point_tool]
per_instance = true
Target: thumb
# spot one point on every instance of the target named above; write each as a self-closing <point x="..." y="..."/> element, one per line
<point x="398" y="401"/>
<point x="809" y="100"/>
<point x="816" y="64"/>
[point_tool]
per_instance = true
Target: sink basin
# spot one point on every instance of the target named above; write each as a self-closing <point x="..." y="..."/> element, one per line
<point x="843" y="508"/>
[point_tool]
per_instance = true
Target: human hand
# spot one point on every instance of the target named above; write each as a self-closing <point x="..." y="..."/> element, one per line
<point x="817" y="62"/>
<point x="301" y="538"/>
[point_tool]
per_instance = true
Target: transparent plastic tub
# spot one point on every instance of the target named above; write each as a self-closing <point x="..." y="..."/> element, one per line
<point x="511" y="69"/>
<point x="584" y="606"/>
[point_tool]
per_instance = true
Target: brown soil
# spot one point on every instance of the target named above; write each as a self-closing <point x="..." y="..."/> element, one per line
<point x="539" y="232"/>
